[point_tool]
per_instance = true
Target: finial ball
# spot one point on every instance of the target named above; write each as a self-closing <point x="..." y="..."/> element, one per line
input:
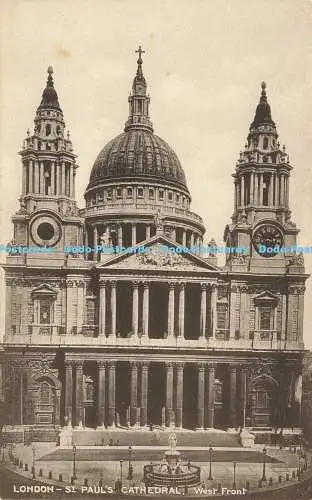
<point x="263" y="85"/>
<point x="50" y="70"/>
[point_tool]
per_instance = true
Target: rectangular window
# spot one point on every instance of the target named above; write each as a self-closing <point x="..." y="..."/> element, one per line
<point x="140" y="193"/>
<point x="109" y="193"/>
<point x="90" y="311"/>
<point x="170" y="196"/>
<point x="129" y="193"/>
<point x="118" y="193"/>
<point x="265" y="317"/>
<point x="177" y="198"/>
<point x="45" y="311"/>
<point x="151" y="194"/>
<point x="161" y="194"/>
<point x="222" y="316"/>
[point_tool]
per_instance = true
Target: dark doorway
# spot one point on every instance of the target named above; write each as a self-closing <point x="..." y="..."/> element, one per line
<point x="126" y="235"/>
<point x="192" y="311"/>
<point x="90" y="389"/>
<point x="124" y="303"/>
<point x="190" y="383"/>
<point x="156" y="393"/>
<point x="140" y="232"/>
<point x="122" y="391"/>
<point x="158" y="313"/>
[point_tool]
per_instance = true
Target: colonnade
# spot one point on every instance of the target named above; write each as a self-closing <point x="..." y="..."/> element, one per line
<point x="172" y="411"/>
<point x="185" y="236"/>
<point x="249" y="189"/>
<point x="108" y="312"/>
<point x="61" y="178"/>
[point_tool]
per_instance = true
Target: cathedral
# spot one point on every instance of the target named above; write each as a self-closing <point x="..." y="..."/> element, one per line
<point x="122" y="317"/>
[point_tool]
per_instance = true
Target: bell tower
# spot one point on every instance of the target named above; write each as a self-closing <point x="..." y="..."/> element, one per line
<point x="48" y="215"/>
<point x="262" y="217"/>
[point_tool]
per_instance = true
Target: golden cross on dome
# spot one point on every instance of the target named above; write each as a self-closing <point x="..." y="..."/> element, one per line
<point x="140" y="51"/>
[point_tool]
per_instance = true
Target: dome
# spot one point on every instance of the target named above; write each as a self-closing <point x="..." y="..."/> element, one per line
<point x="138" y="154"/>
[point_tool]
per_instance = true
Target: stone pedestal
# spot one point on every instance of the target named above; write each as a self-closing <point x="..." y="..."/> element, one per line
<point x="66" y="436"/>
<point x="247" y="439"/>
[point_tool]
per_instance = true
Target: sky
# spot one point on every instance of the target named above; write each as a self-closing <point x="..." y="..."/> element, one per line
<point x="204" y="63"/>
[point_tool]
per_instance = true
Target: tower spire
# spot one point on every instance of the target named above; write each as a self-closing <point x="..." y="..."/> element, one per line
<point x="139" y="100"/>
<point x="49" y="96"/>
<point x="263" y="110"/>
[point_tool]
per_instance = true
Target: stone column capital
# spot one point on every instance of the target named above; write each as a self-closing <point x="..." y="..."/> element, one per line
<point x="179" y="365"/>
<point x="203" y="286"/>
<point x="103" y="283"/>
<point x="144" y="366"/>
<point x="201" y="367"/>
<point x="212" y="367"/>
<point x="135" y="283"/>
<point x="171" y="285"/>
<point x="169" y="365"/>
<point x="102" y="364"/>
<point x="133" y="365"/>
<point x="111" y="365"/>
<point x="146" y="284"/>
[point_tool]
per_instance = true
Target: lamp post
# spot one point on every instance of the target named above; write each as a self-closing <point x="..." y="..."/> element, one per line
<point x="130" y="469"/>
<point x="210" y="460"/>
<point x="121" y="462"/>
<point x="74" y="463"/>
<point x="264" y="452"/>
<point x="33" y="461"/>
<point x="234" y="475"/>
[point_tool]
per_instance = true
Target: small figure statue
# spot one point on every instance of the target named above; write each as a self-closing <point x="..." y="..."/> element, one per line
<point x="158" y="220"/>
<point x="172" y="441"/>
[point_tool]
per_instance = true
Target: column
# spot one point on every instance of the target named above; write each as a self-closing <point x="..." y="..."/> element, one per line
<point x="148" y="232"/>
<point x="133" y="392"/>
<point x="52" y="191"/>
<point x="271" y="190"/>
<point x="68" y="392"/>
<point x="179" y="394"/>
<point x="41" y="186"/>
<point x="258" y="189"/>
<point x="173" y="234"/>
<point x="232" y="400"/>
<point x="210" y="395"/>
<point x="145" y="308"/>
<point x="113" y="308"/>
<point x="261" y="189"/>
<point x="286" y="191"/>
<point x="135" y="307"/>
<point x="95" y="236"/>
<point x="102" y="393"/>
<point x="183" y="238"/>
<point x="242" y="190"/>
<point x="102" y="309"/>
<point x="276" y="190"/>
<point x="242" y="396"/>
<point x="71" y="182"/>
<point x="252" y="188"/>
<point x="133" y="235"/>
<point x="119" y="235"/>
<point x="36" y="177"/>
<point x="79" y="394"/>
<point x="171" y="310"/>
<point x="63" y="185"/>
<point x="181" y="309"/>
<point x="144" y="387"/>
<point x="201" y="396"/>
<point x="111" y="393"/>
<point x="169" y="393"/>
<point x="57" y="176"/>
<point x="281" y="189"/>
<point x="24" y="175"/>
<point x="80" y="306"/>
<point x="31" y="177"/>
<point x="203" y="310"/>
<point x="213" y="309"/>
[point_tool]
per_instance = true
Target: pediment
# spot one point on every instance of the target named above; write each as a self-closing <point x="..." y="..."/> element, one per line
<point x="266" y="297"/>
<point x="44" y="289"/>
<point x="158" y="253"/>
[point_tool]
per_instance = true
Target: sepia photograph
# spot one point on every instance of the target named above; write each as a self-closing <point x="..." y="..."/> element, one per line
<point x="156" y="249"/>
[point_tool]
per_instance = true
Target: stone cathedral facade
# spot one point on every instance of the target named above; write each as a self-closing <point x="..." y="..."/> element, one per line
<point x="120" y="337"/>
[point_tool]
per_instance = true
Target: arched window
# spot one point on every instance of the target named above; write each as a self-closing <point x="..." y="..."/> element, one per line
<point x="48" y="129"/>
<point x="45" y="394"/>
<point x="265" y="143"/>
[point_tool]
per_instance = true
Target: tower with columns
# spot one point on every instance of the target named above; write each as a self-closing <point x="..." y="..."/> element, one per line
<point x="152" y="331"/>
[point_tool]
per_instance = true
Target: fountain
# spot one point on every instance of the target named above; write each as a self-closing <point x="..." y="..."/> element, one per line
<point x="171" y="471"/>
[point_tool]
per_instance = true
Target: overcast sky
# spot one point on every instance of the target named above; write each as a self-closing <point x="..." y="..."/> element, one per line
<point x="204" y="62"/>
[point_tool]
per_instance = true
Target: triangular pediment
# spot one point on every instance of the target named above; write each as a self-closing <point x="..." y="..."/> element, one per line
<point x="158" y="253"/>
<point x="266" y="296"/>
<point x="44" y="289"/>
